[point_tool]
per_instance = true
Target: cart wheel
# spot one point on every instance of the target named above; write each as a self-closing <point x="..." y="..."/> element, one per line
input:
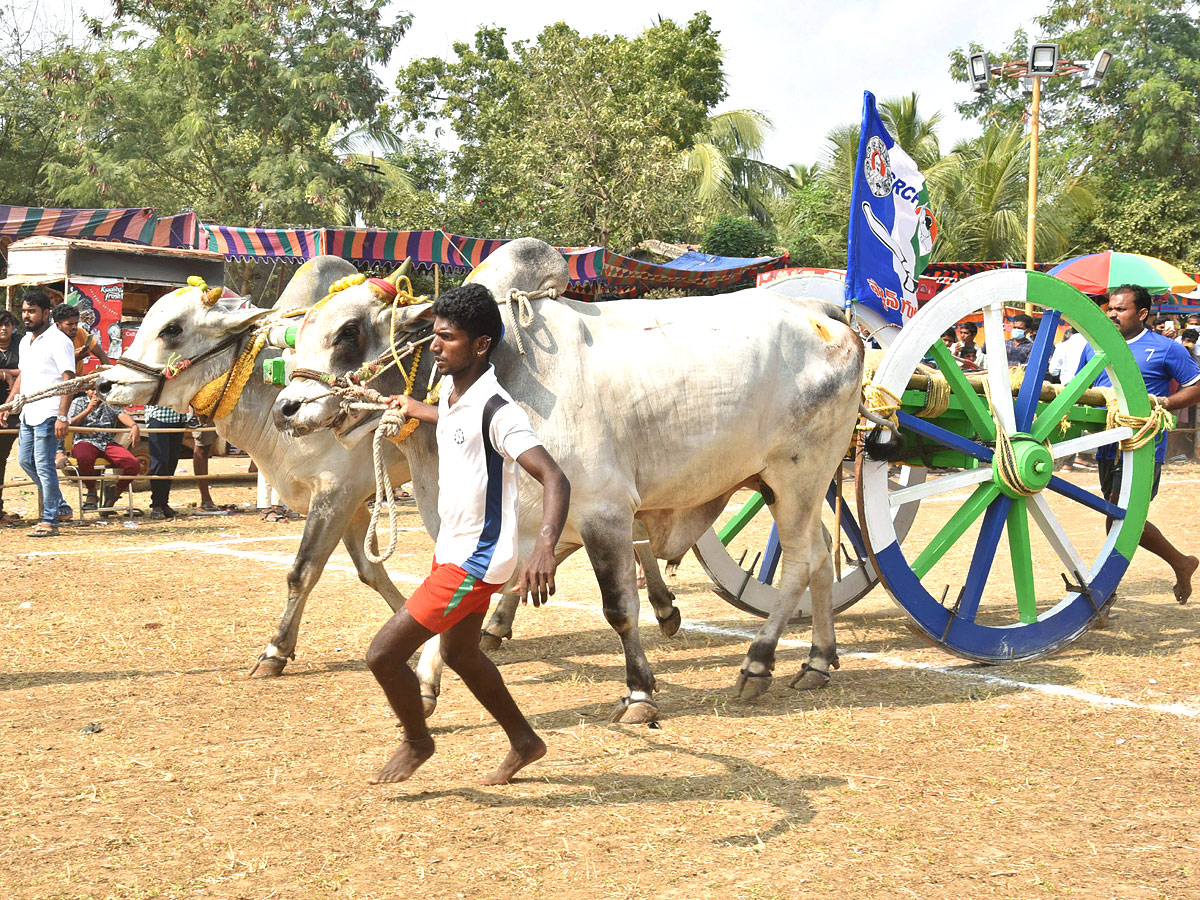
<point x="742" y="556"/>
<point x="973" y="608"/>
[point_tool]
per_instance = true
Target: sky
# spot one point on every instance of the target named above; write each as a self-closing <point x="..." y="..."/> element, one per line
<point x="804" y="64"/>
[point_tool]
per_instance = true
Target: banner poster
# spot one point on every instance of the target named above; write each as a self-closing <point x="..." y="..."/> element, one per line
<point x="892" y="228"/>
<point x="99" y="303"/>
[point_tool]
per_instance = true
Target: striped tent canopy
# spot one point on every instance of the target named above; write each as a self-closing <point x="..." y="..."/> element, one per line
<point x="690" y="271"/>
<point x="289" y="245"/>
<point x="181" y="231"/>
<point x="370" y="246"/>
<point x="102" y="224"/>
<point x="583" y="263"/>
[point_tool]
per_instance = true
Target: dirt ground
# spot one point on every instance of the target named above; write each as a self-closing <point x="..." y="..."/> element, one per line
<point x="138" y="760"/>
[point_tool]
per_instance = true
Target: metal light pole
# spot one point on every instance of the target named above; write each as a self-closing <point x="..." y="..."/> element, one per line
<point x="1043" y="62"/>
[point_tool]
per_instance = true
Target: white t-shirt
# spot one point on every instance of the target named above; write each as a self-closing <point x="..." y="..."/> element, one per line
<point x="479" y="440"/>
<point x="44" y="359"/>
<point x="1065" y="361"/>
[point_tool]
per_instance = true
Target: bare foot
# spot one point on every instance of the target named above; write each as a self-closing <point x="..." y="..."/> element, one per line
<point x="1183" y="579"/>
<point x="406" y="760"/>
<point x="517" y="759"/>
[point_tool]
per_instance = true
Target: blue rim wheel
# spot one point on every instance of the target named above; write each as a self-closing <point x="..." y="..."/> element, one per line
<point x="1033" y="566"/>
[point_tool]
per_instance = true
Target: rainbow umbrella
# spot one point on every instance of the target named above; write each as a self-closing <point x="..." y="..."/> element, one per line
<point x="1100" y="273"/>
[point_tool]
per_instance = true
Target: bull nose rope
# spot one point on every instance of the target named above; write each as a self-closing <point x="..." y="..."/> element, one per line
<point x="523" y="317"/>
<point x="71" y="386"/>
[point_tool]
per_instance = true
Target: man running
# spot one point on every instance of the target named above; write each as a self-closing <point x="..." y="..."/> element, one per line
<point x="482" y="436"/>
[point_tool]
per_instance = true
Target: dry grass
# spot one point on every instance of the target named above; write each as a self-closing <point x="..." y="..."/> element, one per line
<point x="894" y="782"/>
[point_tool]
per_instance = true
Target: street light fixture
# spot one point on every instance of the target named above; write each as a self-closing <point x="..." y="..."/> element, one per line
<point x="979" y="71"/>
<point x="1043" y="62"/>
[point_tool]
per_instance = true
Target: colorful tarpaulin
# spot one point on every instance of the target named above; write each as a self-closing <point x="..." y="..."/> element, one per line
<point x="181" y="231"/>
<point x="371" y="246"/>
<point x="103" y="224"/>
<point x="698" y="271"/>
<point x="291" y="245"/>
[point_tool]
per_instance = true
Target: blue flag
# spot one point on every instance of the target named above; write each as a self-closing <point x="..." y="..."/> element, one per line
<point x="892" y="228"/>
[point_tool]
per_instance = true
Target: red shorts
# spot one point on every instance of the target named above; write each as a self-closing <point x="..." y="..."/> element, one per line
<point x="448" y="596"/>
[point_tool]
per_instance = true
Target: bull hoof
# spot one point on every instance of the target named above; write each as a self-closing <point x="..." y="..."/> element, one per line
<point x="428" y="704"/>
<point x="670" y="625"/>
<point x="489" y="643"/>
<point x="809" y="679"/>
<point x="640" y="712"/>
<point x="750" y="687"/>
<point x="268" y="667"/>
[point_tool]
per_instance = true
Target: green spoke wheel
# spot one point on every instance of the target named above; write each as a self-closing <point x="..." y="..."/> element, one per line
<point x="1006" y="560"/>
<point x="741" y="555"/>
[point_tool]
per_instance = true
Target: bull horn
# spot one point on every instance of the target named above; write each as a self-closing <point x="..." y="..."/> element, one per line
<point x="405" y="271"/>
<point x="212" y="295"/>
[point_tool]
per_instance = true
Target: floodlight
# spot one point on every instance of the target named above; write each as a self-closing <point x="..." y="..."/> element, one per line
<point x="979" y="71"/>
<point x="1043" y="59"/>
<point x="1099" y="67"/>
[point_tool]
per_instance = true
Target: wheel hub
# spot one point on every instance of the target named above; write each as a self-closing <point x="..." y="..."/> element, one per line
<point x="1026" y="471"/>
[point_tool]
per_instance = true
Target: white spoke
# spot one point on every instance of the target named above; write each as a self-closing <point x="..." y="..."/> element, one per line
<point x="1086" y="442"/>
<point x="943" y="485"/>
<point x="1056" y="535"/>
<point x="997" y="366"/>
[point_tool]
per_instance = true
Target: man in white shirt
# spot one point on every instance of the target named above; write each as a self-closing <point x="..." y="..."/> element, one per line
<point x="482" y="437"/>
<point x="47" y="359"/>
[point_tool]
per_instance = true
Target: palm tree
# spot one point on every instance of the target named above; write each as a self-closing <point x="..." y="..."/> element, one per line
<point x="980" y="199"/>
<point x="728" y="170"/>
<point x="365" y="146"/>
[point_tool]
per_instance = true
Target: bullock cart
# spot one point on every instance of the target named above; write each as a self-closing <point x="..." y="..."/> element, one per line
<point x="984" y="449"/>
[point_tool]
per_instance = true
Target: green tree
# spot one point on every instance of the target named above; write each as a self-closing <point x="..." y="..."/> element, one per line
<point x="30" y="126"/>
<point x="572" y="138"/>
<point x="227" y="107"/>
<point x="730" y="174"/>
<point x="736" y="236"/>
<point x="1138" y="133"/>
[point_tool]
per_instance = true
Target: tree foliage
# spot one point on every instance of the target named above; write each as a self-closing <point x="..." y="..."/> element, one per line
<point x="30" y="125"/>
<point x="573" y="138"/>
<point x="736" y="236"/>
<point x="228" y="107"/>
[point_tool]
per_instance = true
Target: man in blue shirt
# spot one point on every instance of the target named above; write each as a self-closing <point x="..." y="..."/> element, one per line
<point x="1161" y="361"/>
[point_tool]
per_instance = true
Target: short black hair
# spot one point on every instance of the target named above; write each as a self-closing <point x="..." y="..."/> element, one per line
<point x="36" y="298"/>
<point x="1141" y="296"/>
<point x="472" y="308"/>
<point x="1189" y="334"/>
<point x="969" y="326"/>
<point x="1025" y="321"/>
<point x="64" y="311"/>
<point x="7" y="318"/>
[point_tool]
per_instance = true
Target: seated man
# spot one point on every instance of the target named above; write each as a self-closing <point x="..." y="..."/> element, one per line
<point x="66" y="317"/>
<point x="89" y="411"/>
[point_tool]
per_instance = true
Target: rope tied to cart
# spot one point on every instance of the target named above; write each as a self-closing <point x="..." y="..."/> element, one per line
<point x="1145" y="428"/>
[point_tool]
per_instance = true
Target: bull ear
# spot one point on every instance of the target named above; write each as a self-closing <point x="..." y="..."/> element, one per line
<point x="410" y="318"/>
<point x="236" y="313"/>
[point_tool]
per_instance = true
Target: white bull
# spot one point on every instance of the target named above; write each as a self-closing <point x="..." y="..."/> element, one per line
<point x="316" y="475"/>
<point x="657" y="411"/>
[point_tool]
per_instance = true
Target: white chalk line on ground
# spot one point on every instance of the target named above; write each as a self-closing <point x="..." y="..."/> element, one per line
<point x="222" y="548"/>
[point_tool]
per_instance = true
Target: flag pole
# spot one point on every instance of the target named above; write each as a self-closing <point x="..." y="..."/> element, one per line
<point x="1031" y="226"/>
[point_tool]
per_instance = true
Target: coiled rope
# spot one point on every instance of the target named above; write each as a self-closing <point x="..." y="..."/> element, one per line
<point x="523" y="317"/>
<point x="1145" y="428"/>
